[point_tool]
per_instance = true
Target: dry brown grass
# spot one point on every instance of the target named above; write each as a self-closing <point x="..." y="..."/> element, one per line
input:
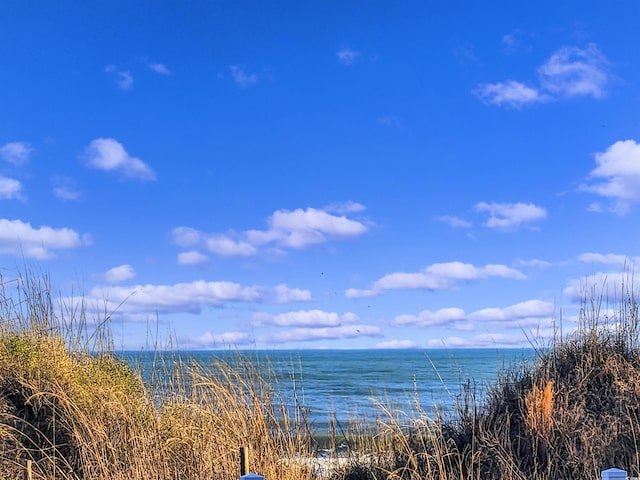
<point x="539" y="409"/>
<point x="571" y="415"/>
<point x="78" y="412"/>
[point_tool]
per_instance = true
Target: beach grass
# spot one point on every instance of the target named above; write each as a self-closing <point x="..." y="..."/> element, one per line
<point x="75" y="410"/>
<point x="572" y="414"/>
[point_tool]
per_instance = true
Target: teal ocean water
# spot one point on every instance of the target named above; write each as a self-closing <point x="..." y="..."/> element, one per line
<point x="337" y="386"/>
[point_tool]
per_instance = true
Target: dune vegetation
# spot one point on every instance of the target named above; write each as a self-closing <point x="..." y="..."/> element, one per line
<point x="72" y="409"/>
<point x="76" y="411"/>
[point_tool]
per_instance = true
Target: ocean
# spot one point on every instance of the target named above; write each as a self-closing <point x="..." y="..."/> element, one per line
<point x="336" y="387"/>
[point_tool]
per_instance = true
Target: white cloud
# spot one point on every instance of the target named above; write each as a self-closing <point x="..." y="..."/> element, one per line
<point x="241" y="77"/>
<point x="180" y="297"/>
<point x="484" y="340"/>
<point x="595" y="207"/>
<point x="22" y="240"/>
<point x="620" y="261"/>
<point x="159" y="68"/>
<point x="426" y="318"/>
<point x="344" y="207"/>
<point x="467" y="271"/>
<point x="439" y="276"/>
<point x="600" y="285"/>
<point x="569" y="72"/>
<point x="65" y="188"/>
<point x="285" y="294"/>
<point x="409" y="280"/>
<point x="529" y="309"/>
<point x="304" y="318"/>
<point x="123" y="78"/>
<point x="216" y="340"/>
<point x="347" y="56"/>
<point x="293" y="229"/>
<point x="16" y="153"/>
<point x="226" y="247"/>
<point x="262" y="237"/>
<point x="218" y="244"/>
<point x="65" y="194"/>
<point x="515" y="41"/>
<point x="324" y="333"/>
<point x="399" y="344"/>
<point x="300" y="239"/>
<point x="10" y="189"/>
<point x="357" y="293"/>
<point x="509" y="39"/>
<point x="509" y="216"/>
<point x="619" y="167"/>
<point x="119" y="274"/>
<point x="109" y="155"/>
<point x="186" y="236"/>
<point x="308" y="325"/>
<point x="300" y="228"/>
<point x="188" y="297"/>
<point x="510" y="93"/>
<point x="454" y="222"/>
<point x="530" y="313"/>
<point x="535" y="262"/>
<point x="573" y="72"/>
<point x="192" y="257"/>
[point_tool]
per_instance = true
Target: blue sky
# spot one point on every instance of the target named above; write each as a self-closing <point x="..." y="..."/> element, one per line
<point x="321" y="174"/>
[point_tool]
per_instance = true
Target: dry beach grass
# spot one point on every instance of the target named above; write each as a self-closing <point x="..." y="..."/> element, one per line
<point x="77" y="411"/>
<point x="70" y="405"/>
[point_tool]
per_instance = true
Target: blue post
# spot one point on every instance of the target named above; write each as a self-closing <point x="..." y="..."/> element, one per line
<point x="613" y="474"/>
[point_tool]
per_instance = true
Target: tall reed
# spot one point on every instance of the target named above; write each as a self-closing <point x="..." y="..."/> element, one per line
<point x="69" y="404"/>
<point x="571" y="415"/>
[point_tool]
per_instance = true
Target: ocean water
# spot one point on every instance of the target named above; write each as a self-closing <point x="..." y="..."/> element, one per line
<point x="336" y="387"/>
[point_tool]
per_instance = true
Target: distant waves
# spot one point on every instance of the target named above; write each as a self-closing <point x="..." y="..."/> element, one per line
<point x="333" y="387"/>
